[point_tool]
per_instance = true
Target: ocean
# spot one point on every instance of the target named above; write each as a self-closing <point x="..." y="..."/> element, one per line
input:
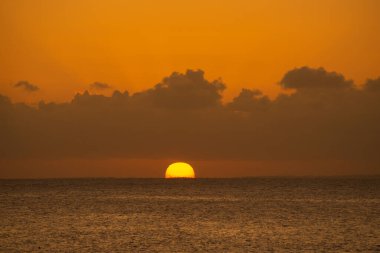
<point x="329" y="214"/>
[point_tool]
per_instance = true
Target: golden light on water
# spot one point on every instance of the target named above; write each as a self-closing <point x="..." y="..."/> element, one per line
<point x="179" y="170"/>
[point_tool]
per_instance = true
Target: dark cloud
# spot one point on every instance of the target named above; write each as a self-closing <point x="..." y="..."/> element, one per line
<point x="183" y="91"/>
<point x="309" y="78"/>
<point x="183" y="117"/>
<point x="100" y="86"/>
<point x="249" y="100"/>
<point x="26" y="86"/>
<point x="372" y="85"/>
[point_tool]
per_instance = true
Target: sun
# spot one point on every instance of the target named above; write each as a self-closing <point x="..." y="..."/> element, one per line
<point x="179" y="170"/>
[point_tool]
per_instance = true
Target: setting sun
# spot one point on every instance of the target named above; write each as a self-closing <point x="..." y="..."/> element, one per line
<point x="179" y="170"/>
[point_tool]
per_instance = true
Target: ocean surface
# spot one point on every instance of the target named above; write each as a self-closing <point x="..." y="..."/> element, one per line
<point x="193" y="215"/>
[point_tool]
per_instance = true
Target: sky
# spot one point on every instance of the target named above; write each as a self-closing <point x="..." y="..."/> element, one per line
<point x="64" y="46"/>
<point x="236" y="88"/>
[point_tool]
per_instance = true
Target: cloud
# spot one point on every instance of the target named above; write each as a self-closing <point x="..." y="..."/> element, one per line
<point x="100" y="86"/>
<point x="183" y="117"/>
<point x="249" y="100"/>
<point x="26" y="86"/>
<point x="372" y="85"/>
<point x="309" y="78"/>
<point x="183" y="91"/>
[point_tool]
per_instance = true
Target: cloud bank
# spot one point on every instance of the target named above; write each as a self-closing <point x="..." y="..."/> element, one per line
<point x="327" y="117"/>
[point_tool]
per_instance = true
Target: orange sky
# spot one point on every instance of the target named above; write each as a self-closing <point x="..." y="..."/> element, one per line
<point x="63" y="46"/>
